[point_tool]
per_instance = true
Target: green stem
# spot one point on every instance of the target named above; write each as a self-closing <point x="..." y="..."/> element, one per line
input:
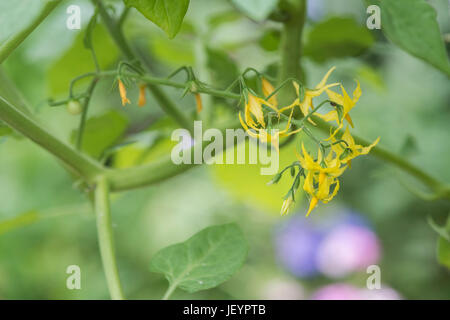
<point x="79" y="163"/>
<point x="169" y="292"/>
<point x="105" y="238"/>
<point x="82" y="125"/>
<point x="13" y="42"/>
<point x="291" y="45"/>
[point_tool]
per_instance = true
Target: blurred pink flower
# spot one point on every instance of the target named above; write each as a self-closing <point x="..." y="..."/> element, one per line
<point x="343" y="291"/>
<point x="339" y="291"/>
<point x="347" y="248"/>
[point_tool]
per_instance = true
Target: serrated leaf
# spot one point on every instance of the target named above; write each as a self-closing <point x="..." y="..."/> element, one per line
<point x="102" y="132"/>
<point x="166" y="14"/>
<point x="257" y="10"/>
<point x="443" y="252"/>
<point x="412" y="25"/>
<point x="205" y="260"/>
<point x="337" y="37"/>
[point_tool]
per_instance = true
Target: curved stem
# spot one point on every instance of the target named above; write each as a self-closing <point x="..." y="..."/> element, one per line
<point x="105" y="238"/>
<point x="13" y="42"/>
<point x="84" y="166"/>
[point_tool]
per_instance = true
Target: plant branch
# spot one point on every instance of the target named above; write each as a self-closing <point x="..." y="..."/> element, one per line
<point x="164" y="101"/>
<point x="84" y="166"/>
<point x="90" y="90"/>
<point x="14" y="41"/>
<point x="106" y="239"/>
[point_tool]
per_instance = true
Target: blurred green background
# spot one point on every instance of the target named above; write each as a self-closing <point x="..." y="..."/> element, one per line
<point x="404" y="101"/>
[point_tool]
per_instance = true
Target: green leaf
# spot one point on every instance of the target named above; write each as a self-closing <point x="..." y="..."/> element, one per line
<point x="223" y="69"/>
<point x="222" y="18"/>
<point x="166" y="14"/>
<point x="442" y="231"/>
<point x="412" y="25"/>
<point x="257" y="10"/>
<point x="270" y="41"/>
<point x="102" y="132"/>
<point x="77" y="60"/>
<point x="337" y="37"/>
<point x="205" y="260"/>
<point x="443" y="252"/>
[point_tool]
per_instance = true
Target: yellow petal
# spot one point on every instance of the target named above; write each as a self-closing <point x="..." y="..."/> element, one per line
<point x="198" y="101"/>
<point x="142" y="100"/>
<point x="267" y="89"/>
<point x="123" y="93"/>
<point x="325" y="78"/>
<point x="312" y="205"/>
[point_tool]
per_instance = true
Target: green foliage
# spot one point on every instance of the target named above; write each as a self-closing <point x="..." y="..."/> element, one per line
<point x="15" y="15"/>
<point x="245" y="183"/>
<point x="77" y="60"/>
<point x="102" y="132"/>
<point x="257" y="10"/>
<point x="223" y="68"/>
<point x="412" y="25"/>
<point x="443" y="252"/>
<point x="166" y="14"/>
<point x="270" y="41"/>
<point x="337" y="37"/>
<point x="205" y="260"/>
<point x="173" y="52"/>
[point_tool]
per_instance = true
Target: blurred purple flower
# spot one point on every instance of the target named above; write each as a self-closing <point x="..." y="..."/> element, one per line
<point x="347" y="248"/>
<point x="296" y="245"/>
<point x="335" y="246"/>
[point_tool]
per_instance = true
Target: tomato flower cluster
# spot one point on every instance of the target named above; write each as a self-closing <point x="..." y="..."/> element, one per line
<point x="320" y="175"/>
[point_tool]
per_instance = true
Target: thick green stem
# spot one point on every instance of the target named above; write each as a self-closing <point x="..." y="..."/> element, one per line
<point x="79" y="163"/>
<point x="14" y="41"/>
<point x="291" y="44"/>
<point x="106" y="239"/>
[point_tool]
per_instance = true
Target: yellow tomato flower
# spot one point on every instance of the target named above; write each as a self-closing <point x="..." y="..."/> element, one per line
<point x="347" y="104"/>
<point x="267" y="89"/>
<point x="254" y="111"/>
<point x="142" y="100"/>
<point x="353" y="149"/>
<point x="263" y="135"/>
<point x="286" y="206"/>
<point x="321" y="176"/>
<point x="123" y="93"/>
<point x="198" y="101"/>
<point x="306" y="104"/>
